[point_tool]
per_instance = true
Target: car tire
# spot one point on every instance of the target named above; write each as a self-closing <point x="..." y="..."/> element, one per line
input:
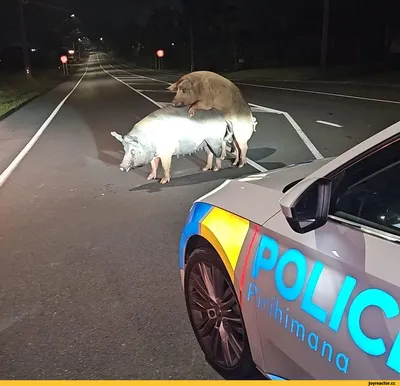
<point x="204" y="274"/>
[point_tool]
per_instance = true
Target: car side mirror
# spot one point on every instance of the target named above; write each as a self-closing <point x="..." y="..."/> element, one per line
<point x="306" y="205"/>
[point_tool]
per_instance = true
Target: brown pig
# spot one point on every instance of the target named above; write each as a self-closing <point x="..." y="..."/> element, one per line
<point x="204" y="90"/>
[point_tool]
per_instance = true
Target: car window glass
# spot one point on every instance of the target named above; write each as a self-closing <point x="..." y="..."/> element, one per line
<point x="368" y="192"/>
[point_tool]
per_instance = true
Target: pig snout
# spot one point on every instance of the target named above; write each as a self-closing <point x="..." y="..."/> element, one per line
<point x="177" y="102"/>
<point x="126" y="163"/>
<point x="124" y="168"/>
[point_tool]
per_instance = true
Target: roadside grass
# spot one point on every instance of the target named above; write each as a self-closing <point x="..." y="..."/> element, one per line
<point x="340" y="74"/>
<point x="15" y="89"/>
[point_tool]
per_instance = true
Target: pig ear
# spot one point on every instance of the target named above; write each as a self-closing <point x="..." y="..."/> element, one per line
<point x="117" y="136"/>
<point x="173" y="87"/>
<point x="186" y="83"/>
<point x="131" y="140"/>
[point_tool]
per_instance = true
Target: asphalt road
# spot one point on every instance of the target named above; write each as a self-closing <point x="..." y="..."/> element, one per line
<point x="89" y="279"/>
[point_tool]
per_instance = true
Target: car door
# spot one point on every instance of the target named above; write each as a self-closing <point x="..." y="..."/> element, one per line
<point x="327" y="301"/>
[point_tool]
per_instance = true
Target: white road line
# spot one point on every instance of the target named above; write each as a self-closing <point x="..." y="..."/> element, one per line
<point x="321" y="93"/>
<point x="344" y="82"/>
<point x="259" y="109"/>
<point x="139" y="76"/>
<point x="141" y="82"/>
<point x="18" y="159"/>
<point x="128" y="85"/>
<point x="296" y="127"/>
<point x="255" y="165"/>
<point x="329" y="123"/>
<point x="214" y="191"/>
<point x="154" y="90"/>
<point x="303" y="136"/>
<point x="131" y="77"/>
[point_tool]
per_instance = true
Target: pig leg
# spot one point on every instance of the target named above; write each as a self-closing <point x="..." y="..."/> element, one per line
<point x="199" y="105"/>
<point x="228" y="138"/>
<point x="166" y="165"/>
<point x="218" y="164"/>
<point x="154" y="166"/>
<point x="210" y="157"/>
<point x="243" y="151"/>
<point x="237" y="153"/>
<point x="223" y="153"/>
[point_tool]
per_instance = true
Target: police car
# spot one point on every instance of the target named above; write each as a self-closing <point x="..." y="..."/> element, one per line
<point x="295" y="272"/>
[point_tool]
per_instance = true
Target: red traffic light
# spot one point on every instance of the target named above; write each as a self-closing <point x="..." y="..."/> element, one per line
<point x="160" y="53"/>
<point x="64" y="59"/>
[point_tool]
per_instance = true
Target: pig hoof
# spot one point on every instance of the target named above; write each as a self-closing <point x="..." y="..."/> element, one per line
<point x="151" y="176"/>
<point x="206" y="168"/>
<point x="164" y="180"/>
<point x="241" y="165"/>
<point x="216" y="168"/>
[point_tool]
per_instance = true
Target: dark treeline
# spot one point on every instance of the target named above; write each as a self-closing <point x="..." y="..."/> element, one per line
<point x="232" y="35"/>
<point x="228" y="35"/>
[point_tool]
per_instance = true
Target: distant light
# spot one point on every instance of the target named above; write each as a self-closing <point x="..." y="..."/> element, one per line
<point x="73" y="15"/>
<point x="172" y="44"/>
<point x="33" y="49"/>
<point x="71" y="52"/>
<point x="79" y="39"/>
<point x="160" y="53"/>
<point x="101" y="39"/>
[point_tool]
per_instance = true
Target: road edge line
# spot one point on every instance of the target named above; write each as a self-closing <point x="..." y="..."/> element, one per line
<point x="6" y="174"/>
<point x="321" y="93"/>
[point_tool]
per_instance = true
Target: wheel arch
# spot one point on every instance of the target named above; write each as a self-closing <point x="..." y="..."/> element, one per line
<point x="209" y="240"/>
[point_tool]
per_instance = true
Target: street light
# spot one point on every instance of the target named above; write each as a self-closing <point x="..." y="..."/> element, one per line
<point x="72" y="16"/>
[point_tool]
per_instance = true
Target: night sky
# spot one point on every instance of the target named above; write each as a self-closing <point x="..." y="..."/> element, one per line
<point x="95" y="15"/>
<point x="117" y="11"/>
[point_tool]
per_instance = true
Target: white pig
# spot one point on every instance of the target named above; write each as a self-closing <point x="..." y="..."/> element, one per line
<point x="168" y="132"/>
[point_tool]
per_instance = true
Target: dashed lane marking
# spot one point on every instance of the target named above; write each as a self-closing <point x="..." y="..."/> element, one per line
<point x="329" y="123"/>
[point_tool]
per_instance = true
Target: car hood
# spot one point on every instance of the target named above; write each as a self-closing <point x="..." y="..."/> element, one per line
<point x="256" y="197"/>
